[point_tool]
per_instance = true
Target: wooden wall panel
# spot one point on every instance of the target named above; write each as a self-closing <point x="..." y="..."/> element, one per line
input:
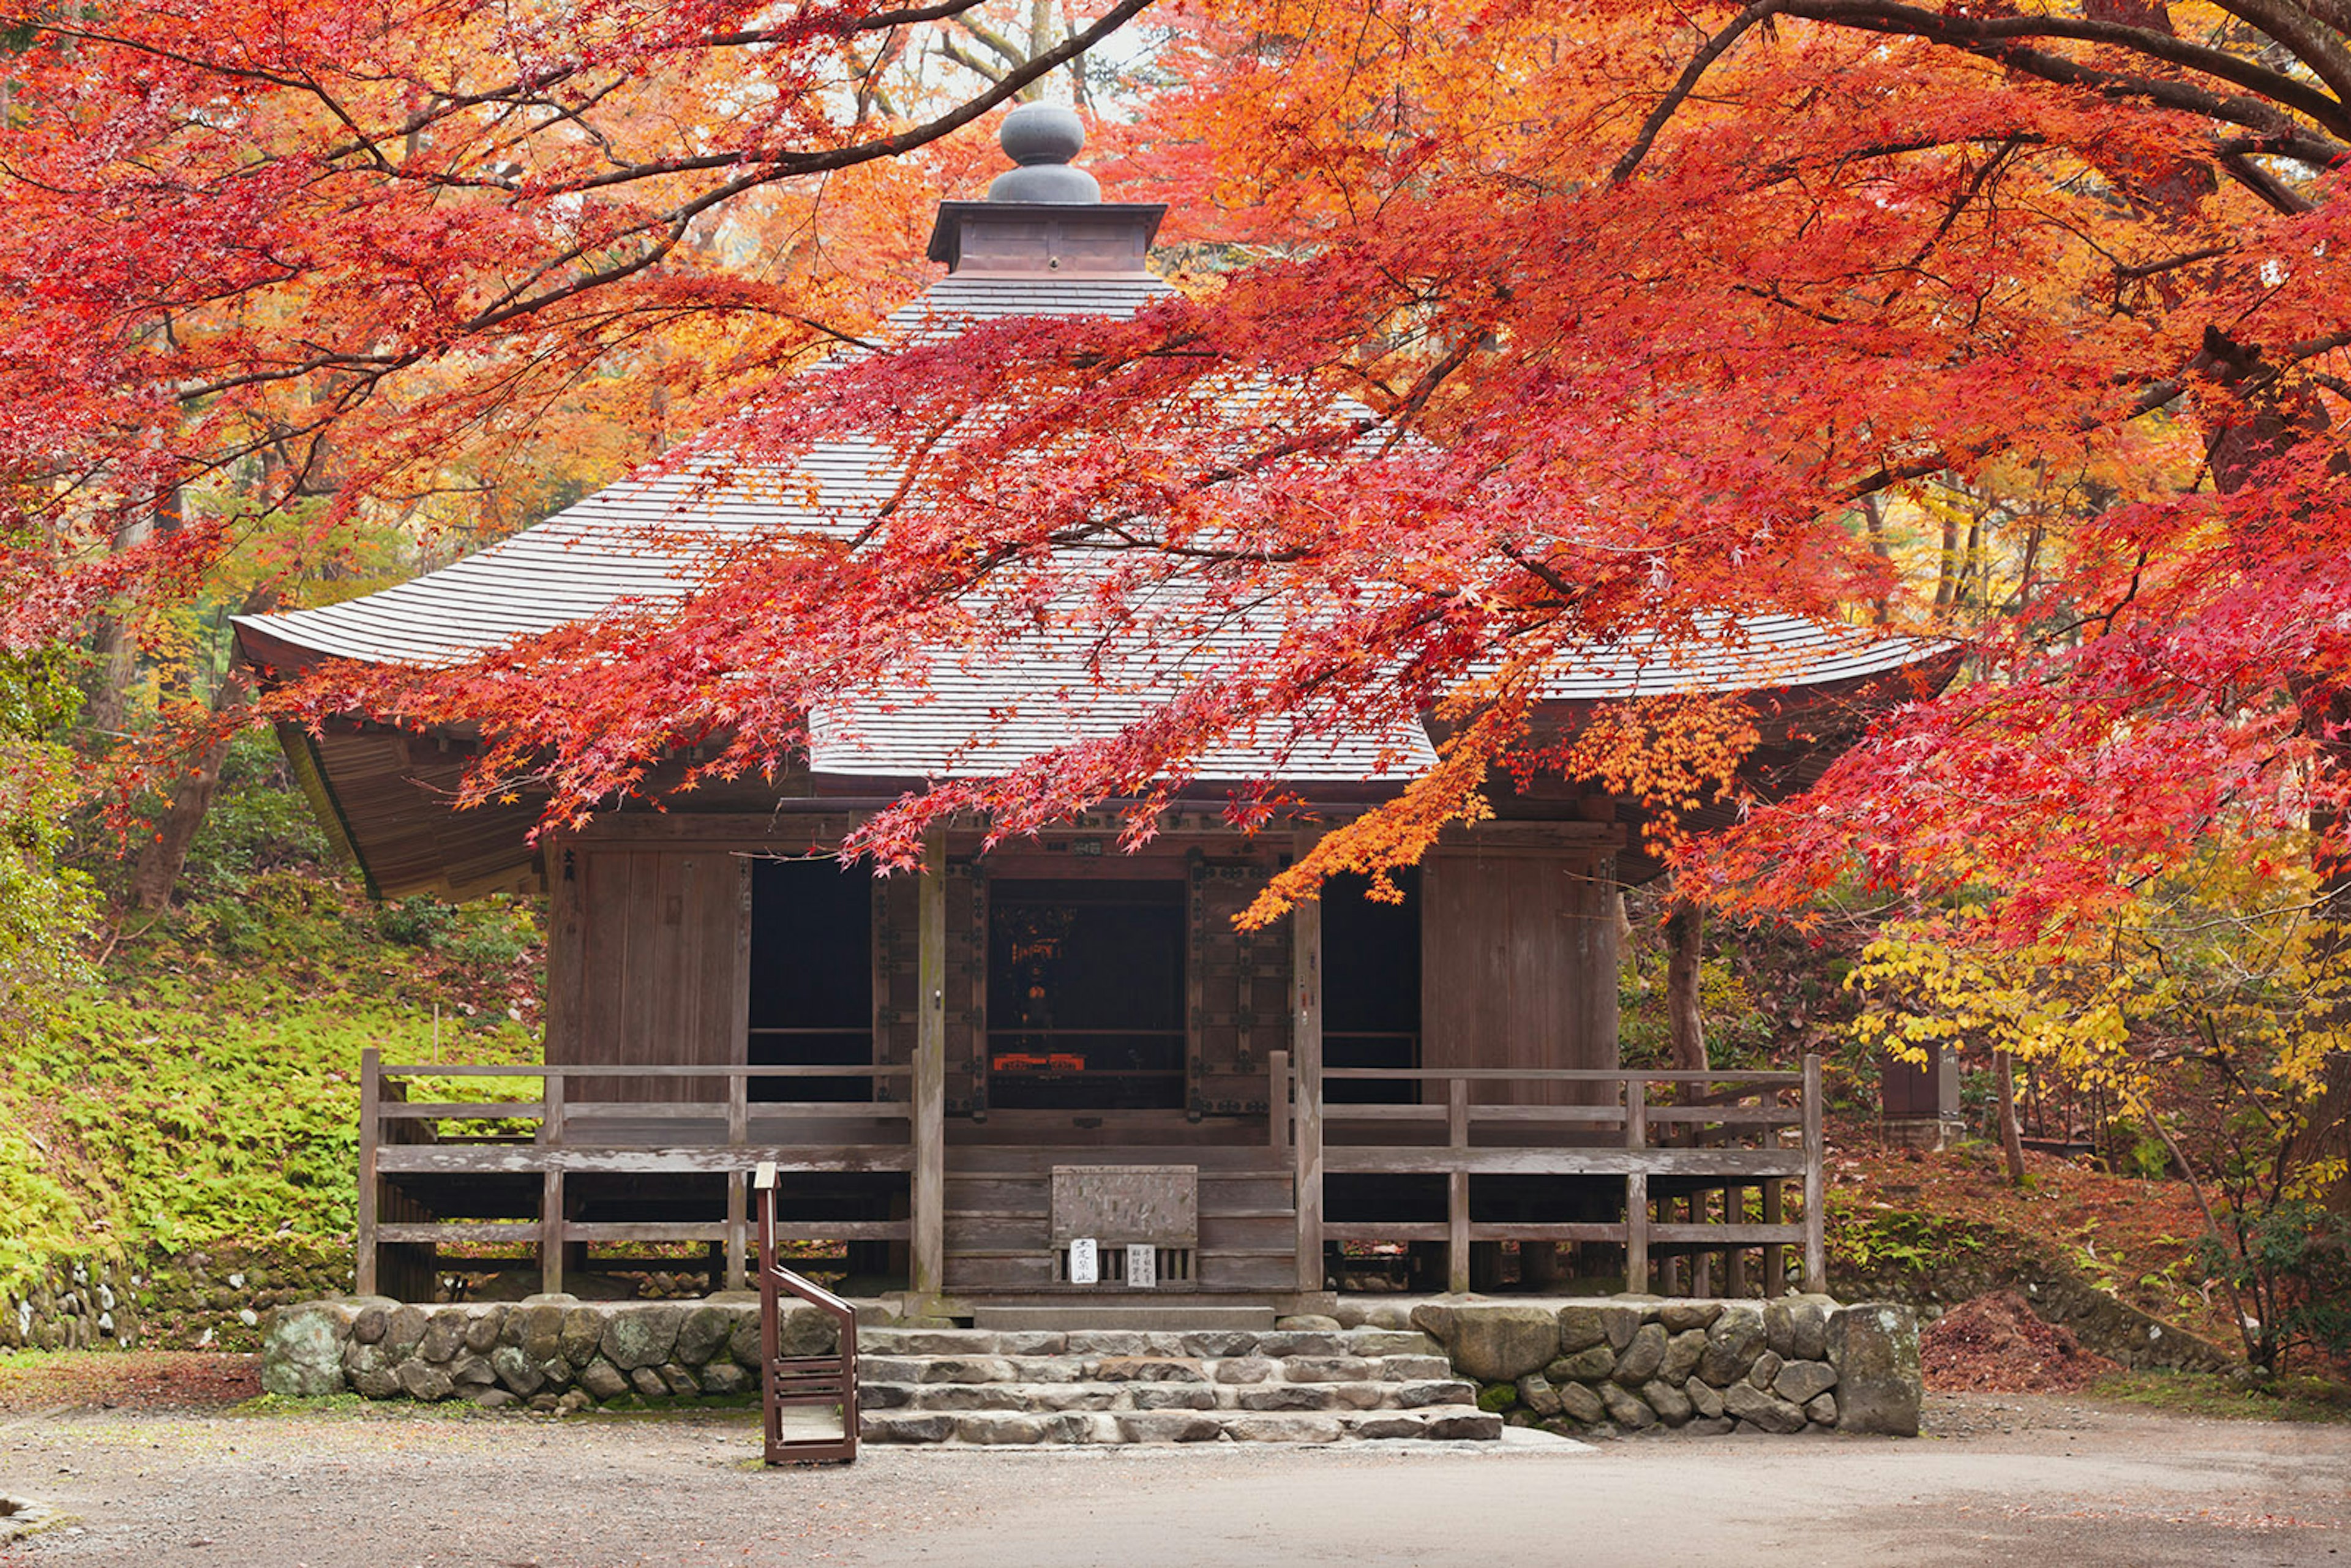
<point x="897" y="982"/>
<point x="1519" y="966"/>
<point x="657" y="973"/>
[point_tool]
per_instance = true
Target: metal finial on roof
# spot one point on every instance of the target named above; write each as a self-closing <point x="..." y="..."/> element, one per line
<point x="1041" y="138"/>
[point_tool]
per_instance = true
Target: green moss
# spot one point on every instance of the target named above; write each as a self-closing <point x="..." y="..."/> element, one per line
<point x="2229" y="1399"/>
<point x="1497" y="1398"/>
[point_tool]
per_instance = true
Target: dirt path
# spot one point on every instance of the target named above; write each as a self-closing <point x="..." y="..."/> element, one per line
<point x="2010" y="1479"/>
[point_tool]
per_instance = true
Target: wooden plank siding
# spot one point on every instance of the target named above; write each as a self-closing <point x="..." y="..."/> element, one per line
<point x="658" y="972"/>
<point x="1519" y="966"/>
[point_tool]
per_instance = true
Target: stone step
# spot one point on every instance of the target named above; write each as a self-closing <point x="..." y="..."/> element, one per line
<point x="1136" y="1316"/>
<point x="1095" y="1368"/>
<point x="1052" y="1398"/>
<point x="1206" y="1344"/>
<point x="1457" y="1423"/>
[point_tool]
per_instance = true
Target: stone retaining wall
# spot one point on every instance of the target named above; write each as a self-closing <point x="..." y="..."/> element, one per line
<point x="200" y="1298"/>
<point x="552" y="1353"/>
<point x="1633" y="1363"/>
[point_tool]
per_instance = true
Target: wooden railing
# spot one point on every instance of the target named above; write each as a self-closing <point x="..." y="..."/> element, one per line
<point x="555" y="1134"/>
<point x="1706" y="1138"/>
<point x="801" y="1379"/>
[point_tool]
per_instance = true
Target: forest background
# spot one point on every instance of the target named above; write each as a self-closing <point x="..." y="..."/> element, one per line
<point x="1582" y="324"/>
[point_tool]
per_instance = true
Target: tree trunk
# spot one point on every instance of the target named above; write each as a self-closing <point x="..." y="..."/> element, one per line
<point x="1685" y="1025"/>
<point x="2011" y="1139"/>
<point x="160" y="858"/>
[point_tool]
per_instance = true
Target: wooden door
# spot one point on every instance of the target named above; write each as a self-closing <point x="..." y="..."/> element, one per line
<point x="658" y="967"/>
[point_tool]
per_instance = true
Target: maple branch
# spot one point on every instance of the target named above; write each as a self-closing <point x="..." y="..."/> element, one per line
<point x="1710" y="52"/>
<point x="1992" y="37"/>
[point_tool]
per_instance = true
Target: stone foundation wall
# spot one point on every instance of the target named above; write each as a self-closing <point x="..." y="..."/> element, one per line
<point x="552" y="1353"/>
<point x="1634" y="1363"/>
<point x="200" y="1298"/>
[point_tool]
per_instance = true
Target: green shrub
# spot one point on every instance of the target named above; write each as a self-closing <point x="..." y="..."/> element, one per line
<point x="418" y="922"/>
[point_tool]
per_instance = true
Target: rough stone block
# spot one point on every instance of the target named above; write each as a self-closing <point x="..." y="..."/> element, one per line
<point x="302" y="1350"/>
<point x="1732" y="1344"/>
<point x="600" y="1379"/>
<point x="1168" y="1426"/>
<point x="965" y="1369"/>
<point x="1680" y="1317"/>
<point x="723" y="1378"/>
<point x="1766" y="1370"/>
<point x="1590" y="1364"/>
<point x="1388" y="1424"/>
<point x="1757" y="1408"/>
<point x="1704" y="1398"/>
<point x="1289" y="1343"/>
<point x="517" y="1370"/>
<point x="1309" y="1323"/>
<point x="471" y="1372"/>
<point x="1671" y="1404"/>
<point x="1802" y="1382"/>
<point x="681" y="1380"/>
<point x="1579" y="1403"/>
<point x="1581" y="1326"/>
<point x="1710" y="1427"/>
<point x="495" y="1399"/>
<point x="704" y="1334"/>
<point x="1639" y="1359"/>
<point x="537" y="1330"/>
<point x="1216" y="1343"/>
<point x="422" y="1380"/>
<point x="1462" y="1427"/>
<point x="1287" y="1428"/>
<point x="1536" y="1393"/>
<point x="406" y="1331"/>
<point x="1682" y="1352"/>
<point x="1626" y="1409"/>
<point x="1391" y="1342"/>
<point x="582" y="1333"/>
<point x="372" y="1371"/>
<point x="482" y="1327"/>
<point x="878" y="1427"/>
<point x="1622" y="1317"/>
<point x="800" y="1330"/>
<point x="1821" y="1411"/>
<point x="637" y="1337"/>
<point x="1499" y="1343"/>
<point x="648" y="1382"/>
<point x="1287" y="1396"/>
<point x="1412" y="1395"/>
<point x="1328" y="1369"/>
<point x="1149" y="1369"/>
<point x="1874" y="1349"/>
<point x="1173" y="1396"/>
<point x="445" y="1336"/>
<point x="1408" y="1368"/>
<point x="1797" y="1327"/>
<point x="1249" y="1369"/>
<point x="372" y="1323"/>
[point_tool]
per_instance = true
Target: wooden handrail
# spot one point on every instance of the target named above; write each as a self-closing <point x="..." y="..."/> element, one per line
<point x="643" y="1070"/>
<point x="800" y="1380"/>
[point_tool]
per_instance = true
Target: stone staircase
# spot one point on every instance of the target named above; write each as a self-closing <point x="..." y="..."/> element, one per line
<point x="1037" y="1387"/>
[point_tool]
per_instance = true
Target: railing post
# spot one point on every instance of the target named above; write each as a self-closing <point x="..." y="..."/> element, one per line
<point x="1816" y="1257"/>
<point x="1306" y="1042"/>
<point x="1456" y="1186"/>
<point x="738" y="1133"/>
<point x="1636" y="1188"/>
<point x="1277" y="1103"/>
<point x="926" y="1252"/>
<point x="364" y="1271"/>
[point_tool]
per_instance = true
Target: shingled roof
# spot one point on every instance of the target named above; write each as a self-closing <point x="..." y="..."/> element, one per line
<point x="1040" y="246"/>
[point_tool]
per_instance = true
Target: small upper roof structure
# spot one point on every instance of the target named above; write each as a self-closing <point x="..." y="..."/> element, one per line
<point x="1042" y="244"/>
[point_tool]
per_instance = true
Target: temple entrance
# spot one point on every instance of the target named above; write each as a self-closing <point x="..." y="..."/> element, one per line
<point x="1085" y="994"/>
<point x="1371" y="987"/>
<point x="811" y="977"/>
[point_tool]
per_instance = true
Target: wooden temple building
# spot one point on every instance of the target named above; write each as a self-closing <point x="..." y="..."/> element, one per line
<point x="1058" y="1068"/>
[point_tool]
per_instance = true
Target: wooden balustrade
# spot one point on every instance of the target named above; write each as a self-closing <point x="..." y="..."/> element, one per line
<point x="555" y="1133"/>
<point x="1674" y="1139"/>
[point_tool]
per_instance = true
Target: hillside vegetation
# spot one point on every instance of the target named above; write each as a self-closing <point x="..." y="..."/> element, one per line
<point x="206" y="1090"/>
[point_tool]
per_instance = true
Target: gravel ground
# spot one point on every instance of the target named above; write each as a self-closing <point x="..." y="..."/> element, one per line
<point x="2008" y="1479"/>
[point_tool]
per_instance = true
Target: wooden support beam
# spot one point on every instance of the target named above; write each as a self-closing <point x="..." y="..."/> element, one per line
<point x="927" y="1257"/>
<point x="1637" y="1233"/>
<point x="1816" y="1255"/>
<point x="1277" y="1105"/>
<point x="739" y="1229"/>
<point x="1306" y="1047"/>
<point x="364" y="1280"/>
<point x="1775" y="1256"/>
<point x="1457" y="1189"/>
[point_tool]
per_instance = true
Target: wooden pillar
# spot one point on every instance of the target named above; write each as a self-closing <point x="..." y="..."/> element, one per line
<point x="1457" y="1187"/>
<point x="738" y="1212"/>
<point x="1775" y="1255"/>
<point x="1734" y="1212"/>
<point x="1816" y="1257"/>
<point x="1306" y="1047"/>
<point x="1636" y="1188"/>
<point x="550" y="1187"/>
<point x="927" y="1257"/>
<point x="1277" y="1103"/>
<point x="364" y="1279"/>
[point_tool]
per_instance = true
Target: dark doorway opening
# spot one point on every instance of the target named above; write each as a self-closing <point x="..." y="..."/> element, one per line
<point x="1371" y="987"/>
<point x="1085" y="994"/>
<point x="811" y="977"/>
